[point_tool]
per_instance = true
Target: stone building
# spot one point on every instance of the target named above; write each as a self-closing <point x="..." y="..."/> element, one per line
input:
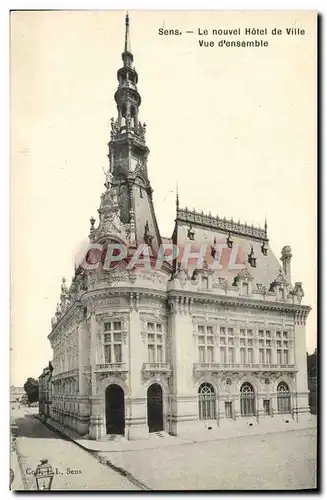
<point x="16" y="393"/>
<point x="45" y="392"/>
<point x="210" y="342"/>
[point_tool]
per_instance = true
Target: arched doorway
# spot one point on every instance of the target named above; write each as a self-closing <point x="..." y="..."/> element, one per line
<point x="115" y="410"/>
<point x="155" y="408"/>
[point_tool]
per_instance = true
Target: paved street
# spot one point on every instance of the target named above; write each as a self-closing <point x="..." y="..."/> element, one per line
<point x="283" y="460"/>
<point x="36" y="441"/>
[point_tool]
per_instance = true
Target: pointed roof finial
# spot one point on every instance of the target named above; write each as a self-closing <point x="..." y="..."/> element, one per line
<point x="127" y="47"/>
<point x="177" y="198"/>
<point x="266" y="226"/>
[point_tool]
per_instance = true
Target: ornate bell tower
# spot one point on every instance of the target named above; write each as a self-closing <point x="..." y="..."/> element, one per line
<point x="128" y="154"/>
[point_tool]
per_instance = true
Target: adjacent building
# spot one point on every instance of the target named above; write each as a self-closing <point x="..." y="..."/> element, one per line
<point x="45" y="392"/>
<point x="312" y="367"/>
<point x="16" y="393"/>
<point x="181" y="347"/>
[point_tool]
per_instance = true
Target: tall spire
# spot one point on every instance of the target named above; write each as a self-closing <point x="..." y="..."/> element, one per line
<point x="127" y="47"/>
<point x="177" y="198"/>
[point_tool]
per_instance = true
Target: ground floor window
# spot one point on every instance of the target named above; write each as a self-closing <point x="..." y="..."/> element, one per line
<point x="228" y="409"/>
<point x="207" y="402"/>
<point x="283" y="398"/>
<point x="247" y="400"/>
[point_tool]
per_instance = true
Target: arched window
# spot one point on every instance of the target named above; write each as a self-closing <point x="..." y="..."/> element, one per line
<point x="283" y="398"/>
<point x="247" y="400"/>
<point x="207" y="402"/>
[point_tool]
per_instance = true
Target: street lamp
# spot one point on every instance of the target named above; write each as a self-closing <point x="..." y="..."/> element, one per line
<point x="44" y="475"/>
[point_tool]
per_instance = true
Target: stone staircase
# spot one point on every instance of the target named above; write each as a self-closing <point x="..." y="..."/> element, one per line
<point x="117" y="438"/>
<point x="159" y="434"/>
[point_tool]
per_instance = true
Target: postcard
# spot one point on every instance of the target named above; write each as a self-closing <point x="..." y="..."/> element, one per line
<point x="163" y="250"/>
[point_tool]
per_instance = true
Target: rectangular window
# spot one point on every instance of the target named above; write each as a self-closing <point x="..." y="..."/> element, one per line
<point x="242" y="352"/>
<point x="230" y="331"/>
<point x="159" y="354"/>
<point x="210" y="354"/>
<point x="261" y="356"/>
<point x="210" y="340"/>
<point x="268" y="356"/>
<point x="201" y="354"/>
<point x="201" y="339"/>
<point x="117" y="351"/>
<point x="222" y="340"/>
<point x="155" y="343"/>
<point x="245" y="288"/>
<point x="151" y="353"/>
<point x="266" y="406"/>
<point x="250" y="333"/>
<point x="285" y="335"/>
<point x="107" y="354"/>
<point x="223" y="355"/>
<point x="200" y="329"/>
<point x="279" y="357"/>
<point x="113" y="342"/>
<point x="260" y="333"/>
<point x="268" y="335"/>
<point x="222" y="330"/>
<point x="278" y="335"/>
<point x="242" y="332"/>
<point x="210" y="330"/>
<point x="285" y="361"/>
<point x="228" y="409"/>
<point x="230" y="355"/>
<point x="250" y="356"/>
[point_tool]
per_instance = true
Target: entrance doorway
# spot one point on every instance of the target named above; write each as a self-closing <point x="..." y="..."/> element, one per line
<point x="115" y="410"/>
<point x="155" y="408"/>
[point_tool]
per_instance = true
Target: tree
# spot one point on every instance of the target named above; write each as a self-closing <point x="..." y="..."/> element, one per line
<point x="31" y="387"/>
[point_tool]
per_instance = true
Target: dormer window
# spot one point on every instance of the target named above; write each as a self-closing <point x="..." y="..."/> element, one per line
<point x="190" y="233"/>
<point x="229" y="241"/>
<point x="264" y="248"/>
<point x="252" y="259"/>
<point x="245" y="288"/>
<point x="147" y="236"/>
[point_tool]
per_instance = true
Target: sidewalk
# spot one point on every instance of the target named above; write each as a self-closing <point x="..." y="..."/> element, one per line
<point x="154" y="441"/>
<point x="17" y="484"/>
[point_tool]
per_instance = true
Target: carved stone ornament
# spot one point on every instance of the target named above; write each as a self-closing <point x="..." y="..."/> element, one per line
<point x="156" y="377"/>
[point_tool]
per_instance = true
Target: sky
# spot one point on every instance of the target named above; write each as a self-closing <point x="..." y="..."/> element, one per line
<point x="234" y="127"/>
